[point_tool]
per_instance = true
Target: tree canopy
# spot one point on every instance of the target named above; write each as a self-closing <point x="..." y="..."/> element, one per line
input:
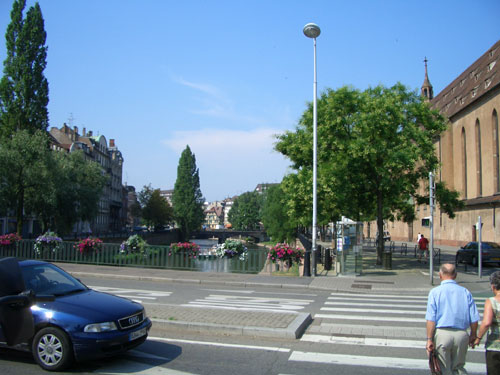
<point x="278" y="224"/>
<point x="245" y="213"/>
<point x="156" y="210"/>
<point x="187" y="199"/>
<point x="375" y="148"/>
<point x="24" y="90"/>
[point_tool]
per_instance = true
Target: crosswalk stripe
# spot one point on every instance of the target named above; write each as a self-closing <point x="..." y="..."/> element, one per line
<point x="252" y="305"/>
<point x="370" y="341"/>
<point x="371" y="311"/>
<point x="368" y="361"/>
<point x="379" y="296"/>
<point x="370" y="317"/>
<point x="374" y="304"/>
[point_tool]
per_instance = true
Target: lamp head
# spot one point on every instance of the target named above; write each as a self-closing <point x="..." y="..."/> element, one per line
<point x="311" y="30"/>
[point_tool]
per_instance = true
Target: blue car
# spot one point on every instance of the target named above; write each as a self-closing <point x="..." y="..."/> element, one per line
<point x="75" y="322"/>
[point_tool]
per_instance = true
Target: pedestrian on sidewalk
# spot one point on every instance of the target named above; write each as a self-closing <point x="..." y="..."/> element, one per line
<point x="491" y="320"/>
<point x="423" y="246"/>
<point x="451" y="310"/>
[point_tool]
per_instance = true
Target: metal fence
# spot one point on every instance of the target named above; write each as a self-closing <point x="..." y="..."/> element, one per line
<point x="110" y="254"/>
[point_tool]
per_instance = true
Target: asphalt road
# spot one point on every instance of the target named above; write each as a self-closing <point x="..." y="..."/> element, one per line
<point x="184" y="353"/>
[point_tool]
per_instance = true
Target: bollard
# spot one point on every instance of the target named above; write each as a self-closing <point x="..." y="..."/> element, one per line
<point x="328" y="259"/>
<point x="307" y="263"/>
<point x="387" y="260"/>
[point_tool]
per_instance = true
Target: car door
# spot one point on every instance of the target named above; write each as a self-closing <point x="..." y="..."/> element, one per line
<point x="16" y="320"/>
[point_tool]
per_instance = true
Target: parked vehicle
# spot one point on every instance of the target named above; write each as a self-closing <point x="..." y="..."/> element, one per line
<point x="490" y="253"/>
<point x="78" y="323"/>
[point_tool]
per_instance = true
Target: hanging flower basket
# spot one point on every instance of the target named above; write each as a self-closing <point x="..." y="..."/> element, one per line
<point x="48" y="243"/>
<point x="89" y="246"/>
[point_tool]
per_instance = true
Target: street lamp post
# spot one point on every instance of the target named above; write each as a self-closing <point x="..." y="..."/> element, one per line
<point x="312" y="30"/>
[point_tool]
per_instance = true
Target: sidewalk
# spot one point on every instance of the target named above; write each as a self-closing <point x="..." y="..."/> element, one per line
<point x="407" y="277"/>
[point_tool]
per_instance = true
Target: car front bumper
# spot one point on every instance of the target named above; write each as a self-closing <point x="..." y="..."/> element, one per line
<point x="96" y="345"/>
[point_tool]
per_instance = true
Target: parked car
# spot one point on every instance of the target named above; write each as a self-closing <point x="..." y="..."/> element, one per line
<point x="78" y="323"/>
<point x="490" y="253"/>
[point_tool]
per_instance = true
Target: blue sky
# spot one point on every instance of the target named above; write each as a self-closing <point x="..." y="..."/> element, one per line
<point x="225" y="76"/>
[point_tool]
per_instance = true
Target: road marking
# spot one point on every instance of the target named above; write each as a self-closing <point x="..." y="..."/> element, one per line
<point x="382" y="311"/>
<point x="368" y="318"/>
<point x="256" y="292"/>
<point x="137" y="295"/>
<point x="374" y="304"/>
<point x="253" y="303"/>
<point x="370" y="341"/>
<point x="378" y="296"/>
<point x="208" y="343"/>
<point x="368" y="361"/>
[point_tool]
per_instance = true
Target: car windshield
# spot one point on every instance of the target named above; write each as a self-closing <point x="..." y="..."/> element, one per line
<point x="490" y="245"/>
<point x="49" y="279"/>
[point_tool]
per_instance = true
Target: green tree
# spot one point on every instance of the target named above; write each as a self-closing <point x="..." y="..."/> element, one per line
<point x="245" y="214"/>
<point x="71" y="192"/>
<point x="375" y="148"/>
<point x="278" y="224"/>
<point x="157" y="211"/>
<point x="24" y="90"/>
<point x="24" y="160"/>
<point x="187" y="199"/>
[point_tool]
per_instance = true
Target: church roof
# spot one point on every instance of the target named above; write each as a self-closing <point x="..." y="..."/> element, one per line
<point x="476" y="81"/>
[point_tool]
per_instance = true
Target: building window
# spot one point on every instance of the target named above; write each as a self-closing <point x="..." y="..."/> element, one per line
<point x="496" y="161"/>
<point x="464" y="164"/>
<point x="479" y="161"/>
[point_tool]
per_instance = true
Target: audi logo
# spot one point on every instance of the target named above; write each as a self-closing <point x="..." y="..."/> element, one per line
<point x="134" y="320"/>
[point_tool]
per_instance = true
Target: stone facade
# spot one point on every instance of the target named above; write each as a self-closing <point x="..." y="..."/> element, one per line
<point x="469" y="154"/>
<point x="110" y="216"/>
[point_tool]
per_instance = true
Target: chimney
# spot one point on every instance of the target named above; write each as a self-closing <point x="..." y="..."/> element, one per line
<point x="90" y="133"/>
<point x="75" y="129"/>
<point x="111" y="143"/>
<point x="84" y="132"/>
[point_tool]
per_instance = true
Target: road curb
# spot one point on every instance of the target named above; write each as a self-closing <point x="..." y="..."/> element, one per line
<point x="294" y="330"/>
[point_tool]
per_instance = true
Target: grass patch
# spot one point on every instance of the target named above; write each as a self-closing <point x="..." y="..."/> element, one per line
<point x="292" y="271"/>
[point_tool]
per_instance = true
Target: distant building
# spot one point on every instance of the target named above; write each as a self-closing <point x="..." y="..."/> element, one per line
<point x="95" y="148"/>
<point x="167" y="194"/>
<point x="261" y="188"/>
<point x="214" y="217"/>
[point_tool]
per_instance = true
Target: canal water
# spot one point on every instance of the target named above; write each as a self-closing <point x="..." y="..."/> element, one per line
<point x="254" y="264"/>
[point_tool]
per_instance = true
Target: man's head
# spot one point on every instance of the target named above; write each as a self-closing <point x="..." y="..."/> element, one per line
<point x="448" y="271"/>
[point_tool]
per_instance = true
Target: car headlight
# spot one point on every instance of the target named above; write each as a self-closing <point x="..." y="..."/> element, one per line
<point x="100" y="327"/>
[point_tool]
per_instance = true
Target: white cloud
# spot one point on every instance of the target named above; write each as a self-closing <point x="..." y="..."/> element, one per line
<point x="232" y="161"/>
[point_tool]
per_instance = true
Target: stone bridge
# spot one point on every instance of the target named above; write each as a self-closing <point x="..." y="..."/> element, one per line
<point x="223" y="234"/>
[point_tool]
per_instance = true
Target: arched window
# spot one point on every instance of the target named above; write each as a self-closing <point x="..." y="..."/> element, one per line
<point x="464" y="164"/>
<point x="479" y="161"/>
<point x="496" y="161"/>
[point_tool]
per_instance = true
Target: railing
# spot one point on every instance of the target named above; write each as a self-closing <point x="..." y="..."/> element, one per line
<point x="153" y="257"/>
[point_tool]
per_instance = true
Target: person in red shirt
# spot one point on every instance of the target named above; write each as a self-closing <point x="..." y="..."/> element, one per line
<point x="423" y="246"/>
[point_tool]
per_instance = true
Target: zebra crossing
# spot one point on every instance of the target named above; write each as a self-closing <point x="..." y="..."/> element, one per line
<point x="253" y="303"/>
<point x="369" y="321"/>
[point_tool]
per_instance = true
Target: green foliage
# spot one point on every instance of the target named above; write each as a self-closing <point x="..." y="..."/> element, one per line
<point x="245" y="213"/>
<point x="58" y="188"/>
<point x="278" y="224"/>
<point x="156" y="210"/>
<point x="374" y="149"/>
<point x="187" y="199"/>
<point x="24" y="90"/>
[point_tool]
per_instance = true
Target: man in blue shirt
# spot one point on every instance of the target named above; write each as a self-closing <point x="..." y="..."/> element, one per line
<point x="451" y="310"/>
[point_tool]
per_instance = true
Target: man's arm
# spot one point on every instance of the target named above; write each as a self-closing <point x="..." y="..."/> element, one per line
<point x="431" y="326"/>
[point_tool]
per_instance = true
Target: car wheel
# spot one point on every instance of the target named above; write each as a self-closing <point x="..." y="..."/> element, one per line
<point x="474" y="261"/>
<point x="52" y="349"/>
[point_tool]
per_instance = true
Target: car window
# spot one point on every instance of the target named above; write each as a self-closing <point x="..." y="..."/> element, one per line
<point x="47" y="279"/>
<point x="493" y="245"/>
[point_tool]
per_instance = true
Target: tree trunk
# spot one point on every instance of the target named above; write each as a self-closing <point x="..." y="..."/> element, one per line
<point x="19" y="211"/>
